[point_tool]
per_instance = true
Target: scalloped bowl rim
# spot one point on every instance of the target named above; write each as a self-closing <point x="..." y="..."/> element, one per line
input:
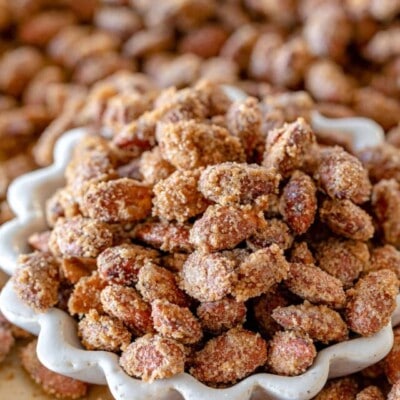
<point x="59" y="348"/>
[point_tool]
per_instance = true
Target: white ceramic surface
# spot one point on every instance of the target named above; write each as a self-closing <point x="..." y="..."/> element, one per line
<point x="59" y="348"/>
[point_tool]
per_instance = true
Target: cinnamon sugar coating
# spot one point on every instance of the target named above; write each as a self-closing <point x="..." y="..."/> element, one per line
<point x="221" y="315"/>
<point x="301" y="254"/>
<point x="208" y="277"/>
<point x="343" y="259"/>
<point x="319" y="322"/>
<point x="298" y="203"/>
<point x="153" y="167"/>
<point x="122" y="200"/>
<point x="36" y="280"/>
<point x="153" y="357"/>
<point x="86" y="295"/>
<point x="59" y="386"/>
<point x="259" y="272"/>
<point x="234" y="183"/>
<point x="121" y="264"/>
<point x="342" y="388"/>
<point x="229" y="357"/>
<point x="290" y="353"/>
<point x="125" y="304"/>
<point x="371" y="302"/>
<point x="165" y="236"/>
<point x="223" y="227"/>
<point x="80" y="237"/>
<point x="155" y="282"/>
<point x="342" y="175"/>
<point x="346" y="219"/>
<point x="101" y="332"/>
<point x="190" y="144"/>
<point x="287" y="147"/>
<point x="385" y="257"/>
<point x="174" y="322"/>
<point x="315" y="285"/>
<point x="177" y="197"/>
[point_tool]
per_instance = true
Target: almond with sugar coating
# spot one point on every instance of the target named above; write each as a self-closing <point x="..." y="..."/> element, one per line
<point x="229" y="357"/>
<point x="385" y="257"/>
<point x="153" y="357"/>
<point x="298" y="203"/>
<point x="122" y="200"/>
<point x="342" y="388"/>
<point x="370" y="393"/>
<point x="346" y="219"/>
<point x="315" y="285"/>
<point x="174" y="322"/>
<point x="342" y="176"/>
<point x="234" y="183"/>
<point x="290" y="353"/>
<point x="371" y="302"/>
<point x="391" y="363"/>
<point x="36" y="280"/>
<point x="319" y="322"/>
<point x="223" y="227"/>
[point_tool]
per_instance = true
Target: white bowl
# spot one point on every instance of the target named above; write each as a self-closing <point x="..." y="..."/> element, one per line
<point x="59" y="348"/>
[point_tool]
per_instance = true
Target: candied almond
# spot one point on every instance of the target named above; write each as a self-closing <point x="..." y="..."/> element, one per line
<point x="74" y="268"/>
<point x="342" y="176"/>
<point x="319" y="322"/>
<point x="121" y="264"/>
<point x="385" y="257"/>
<point x="190" y="144"/>
<point x="394" y="393"/>
<point x="287" y="147"/>
<point x="174" y="262"/>
<point x="391" y="363"/>
<point x="371" y="302"/>
<point x="36" y="280"/>
<point x="259" y="272"/>
<point x="153" y="167"/>
<point x="6" y="339"/>
<point x="177" y="196"/>
<point x="86" y="295"/>
<point x="223" y="227"/>
<point x="155" y="282"/>
<point x="315" y="285"/>
<point x="165" y="236"/>
<point x="221" y="315"/>
<point x="40" y="241"/>
<point x="52" y="383"/>
<point x="175" y="322"/>
<point x="298" y="203"/>
<point x="125" y="304"/>
<point x="208" y="277"/>
<point x="346" y="219"/>
<point x="234" y="183"/>
<point x="122" y="200"/>
<point x="229" y="357"/>
<point x="80" y="237"/>
<point x="153" y="357"/>
<point x="290" y="353"/>
<point x="343" y="259"/>
<point x="370" y="393"/>
<point x="342" y="388"/>
<point x="301" y="254"/>
<point x="101" y="332"/>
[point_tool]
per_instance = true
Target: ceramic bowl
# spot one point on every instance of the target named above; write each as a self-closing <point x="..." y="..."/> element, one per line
<point x="59" y="348"/>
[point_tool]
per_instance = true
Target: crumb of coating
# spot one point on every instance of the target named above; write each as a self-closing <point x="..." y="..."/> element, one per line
<point x="101" y="332"/>
<point x="371" y="302"/>
<point x="153" y="357"/>
<point x="36" y="280"/>
<point x="229" y="357"/>
<point x="175" y="322"/>
<point x="177" y="197"/>
<point x="259" y="272"/>
<point x="320" y="322"/>
<point x="125" y="304"/>
<point x="342" y="176"/>
<point x="346" y="219"/>
<point x="290" y="353"/>
<point x="223" y="227"/>
<point x="315" y="285"/>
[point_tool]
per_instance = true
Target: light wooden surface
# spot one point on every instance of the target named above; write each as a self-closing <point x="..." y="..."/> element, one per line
<point x="15" y="384"/>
